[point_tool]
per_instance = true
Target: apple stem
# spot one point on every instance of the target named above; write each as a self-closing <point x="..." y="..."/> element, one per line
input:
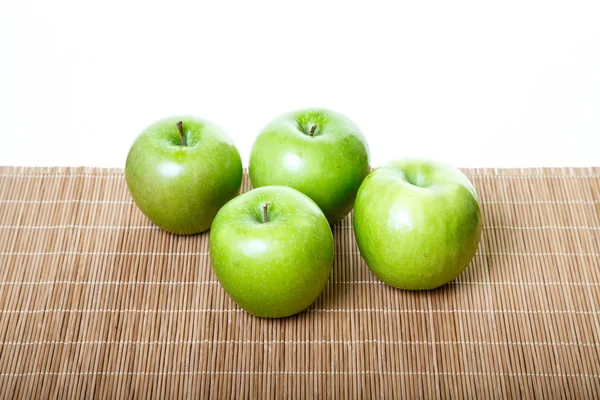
<point x="313" y="129"/>
<point x="265" y="216"/>
<point x="180" y="127"/>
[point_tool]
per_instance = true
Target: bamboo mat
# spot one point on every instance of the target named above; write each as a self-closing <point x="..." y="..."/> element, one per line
<point x="97" y="302"/>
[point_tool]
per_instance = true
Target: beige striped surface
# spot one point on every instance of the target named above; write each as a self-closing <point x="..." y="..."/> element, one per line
<point x="97" y="302"/>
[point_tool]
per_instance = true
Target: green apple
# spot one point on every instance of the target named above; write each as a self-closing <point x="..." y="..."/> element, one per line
<point x="417" y="223"/>
<point x="319" y="152"/>
<point x="272" y="250"/>
<point x="180" y="171"/>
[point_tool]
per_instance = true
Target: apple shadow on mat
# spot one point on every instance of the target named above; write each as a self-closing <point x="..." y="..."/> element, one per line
<point x="351" y="275"/>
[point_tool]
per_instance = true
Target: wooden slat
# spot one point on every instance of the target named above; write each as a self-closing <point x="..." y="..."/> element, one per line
<point x="97" y="302"/>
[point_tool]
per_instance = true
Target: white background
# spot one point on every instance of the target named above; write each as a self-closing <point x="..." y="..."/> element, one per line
<point x="472" y="83"/>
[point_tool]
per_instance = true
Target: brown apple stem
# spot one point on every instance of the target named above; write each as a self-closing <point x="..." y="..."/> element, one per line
<point x="313" y="129"/>
<point x="180" y="127"/>
<point x="265" y="215"/>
